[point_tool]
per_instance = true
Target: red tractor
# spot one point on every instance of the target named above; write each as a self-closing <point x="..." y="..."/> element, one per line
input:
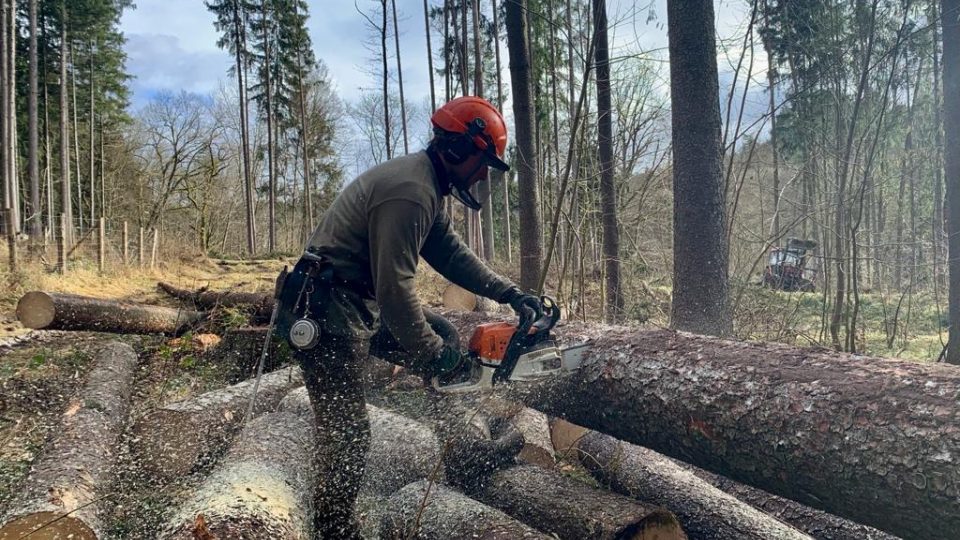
<point x="789" y="269"/>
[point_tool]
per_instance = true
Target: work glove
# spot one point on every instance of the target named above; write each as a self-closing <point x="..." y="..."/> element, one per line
<point x="527" y="306"/>
<point x="451" y="367"/>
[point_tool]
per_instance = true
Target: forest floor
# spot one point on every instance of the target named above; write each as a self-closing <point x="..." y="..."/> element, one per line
<point x="41" y="371"/>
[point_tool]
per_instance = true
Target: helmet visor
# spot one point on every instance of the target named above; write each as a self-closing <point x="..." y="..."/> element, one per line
<point x="494" y="161"/>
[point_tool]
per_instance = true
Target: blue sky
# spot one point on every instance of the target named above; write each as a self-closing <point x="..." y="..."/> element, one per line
<point x="171" y="44"/>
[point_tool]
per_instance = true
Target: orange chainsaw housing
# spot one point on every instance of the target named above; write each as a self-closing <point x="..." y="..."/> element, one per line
<point x="489" y="341"/>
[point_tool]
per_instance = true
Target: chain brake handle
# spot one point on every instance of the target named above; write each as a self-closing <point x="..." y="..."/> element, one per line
<point x="549" y="318"/>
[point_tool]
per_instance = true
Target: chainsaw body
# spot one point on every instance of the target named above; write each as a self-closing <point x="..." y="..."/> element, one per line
<point x="503" y="352"/>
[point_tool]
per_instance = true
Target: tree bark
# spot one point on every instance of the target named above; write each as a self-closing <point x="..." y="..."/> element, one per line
<point x="271" y="153"/>
<point x="181" y="436"/>
<point x="700" y="302"/>
<point x="403" y="104"/>
<point x="239" y="51"/>
<point x="386" y="94"/>
<point x="62" y="492"/>
<point x="260" y="305"/>
<point x="950" y="21"/>
<point x="531" y="242"/>
<point x="653" y="477"/>
<point x="428" y="512"/>
<point x="572" y="510"/>
<point x="829" y="431"/>
<point x="261" y="490"/>
<point x="65" y="201"/>
<point x="35" y="215"/>
<point x="613" y="301"/>
<point x="59" y="311"/>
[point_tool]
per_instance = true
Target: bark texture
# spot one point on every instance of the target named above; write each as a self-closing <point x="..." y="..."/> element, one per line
<point x="699" y="207"/>
<point x="262" y="489"/>
<point x="443" y="514"/>
<point x="75" y="469"/>
<point x="872" y="440"/>
<point x="950" y="20"/>
<point x="59" y="311"/>
<point x="178" y="437"/>
<point x="706" y="512"/>
<point x="260" y="305"/>
<point x="572" y="510"/>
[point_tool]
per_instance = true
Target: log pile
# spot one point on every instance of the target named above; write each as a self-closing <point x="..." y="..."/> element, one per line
<point x="822" y="434"/>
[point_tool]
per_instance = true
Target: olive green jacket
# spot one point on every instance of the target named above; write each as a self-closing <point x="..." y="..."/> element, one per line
<point x="374" y="233"/>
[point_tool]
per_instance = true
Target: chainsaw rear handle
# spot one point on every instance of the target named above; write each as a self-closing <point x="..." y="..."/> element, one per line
<point x="549" y="318"/>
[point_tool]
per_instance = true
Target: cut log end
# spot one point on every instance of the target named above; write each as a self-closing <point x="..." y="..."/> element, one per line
<point x="46" y="526"/>
<point x="36" y="310"/>
<point x="458" y="298"/>
<point x="661" y="525"/>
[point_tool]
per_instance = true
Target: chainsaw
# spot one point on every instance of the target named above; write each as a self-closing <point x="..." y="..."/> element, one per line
<point x="503" y="352"/>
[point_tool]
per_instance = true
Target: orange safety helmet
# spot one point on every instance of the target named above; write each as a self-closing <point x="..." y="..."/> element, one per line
<point x="481" y="122"/>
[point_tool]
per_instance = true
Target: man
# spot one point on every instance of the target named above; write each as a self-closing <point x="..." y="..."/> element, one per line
<point x="353" y="290"/>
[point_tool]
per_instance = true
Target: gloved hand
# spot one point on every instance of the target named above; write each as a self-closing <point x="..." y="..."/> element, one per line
<point x="451" y="367"/>
<point x="527" y="306"/>
<point x="448" y="359"/>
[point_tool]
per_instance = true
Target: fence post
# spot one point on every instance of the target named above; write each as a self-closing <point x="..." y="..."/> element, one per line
<point x="102" y="252"/>
<point x="126" y="241"/>
<point x="153" y="250"/>
<point x="11" y="238"/>
<point x="62" y="244"/>
<point x="140" y="248"/>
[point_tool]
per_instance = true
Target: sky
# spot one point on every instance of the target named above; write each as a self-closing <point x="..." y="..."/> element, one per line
<point x="171" y="44"/>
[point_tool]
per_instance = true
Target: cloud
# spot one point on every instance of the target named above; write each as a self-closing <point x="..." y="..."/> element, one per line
<point x="160" y="62"/>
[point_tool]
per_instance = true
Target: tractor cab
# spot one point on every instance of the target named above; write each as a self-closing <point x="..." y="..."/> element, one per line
<point x="789" y="268"/>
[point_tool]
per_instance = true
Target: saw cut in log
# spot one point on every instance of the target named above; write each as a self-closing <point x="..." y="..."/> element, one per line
<point x="59" y="498"/>
<point x="565" y="437"/>
<point x="537" y="447"/>
<point x="442" y="514"/>
<point x="872" y="440"/>
<point x="180" y="436"/>
<point x="59" y="311"/>
<point x="261" y="489"/>
<point x="457" y="298"/>
<point x="260" y="305"/>
<point x="571" y="509"/>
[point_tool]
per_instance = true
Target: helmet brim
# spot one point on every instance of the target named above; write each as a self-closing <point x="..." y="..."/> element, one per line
<point x="495" y="162"/>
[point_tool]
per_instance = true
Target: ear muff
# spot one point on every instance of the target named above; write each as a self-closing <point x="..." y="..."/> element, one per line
<point x="456" y="148"/>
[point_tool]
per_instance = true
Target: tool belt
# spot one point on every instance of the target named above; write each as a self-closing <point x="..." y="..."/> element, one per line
<point x="299" y="295"/>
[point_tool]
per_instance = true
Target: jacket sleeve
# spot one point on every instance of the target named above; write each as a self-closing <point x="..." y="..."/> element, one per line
<point x="447" y="254"/>
<point x="396" y="229"/>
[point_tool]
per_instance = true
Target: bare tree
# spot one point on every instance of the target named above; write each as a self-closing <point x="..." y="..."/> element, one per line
<point x="426" y="29"/>
<point x="403" y="107"/>
<point x="700" y="302"/>
<point x="35" y="214"/>
<point x="67" y="207"/>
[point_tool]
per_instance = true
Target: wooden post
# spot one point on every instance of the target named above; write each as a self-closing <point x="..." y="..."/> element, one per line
<point x="102" y="252"/>
<point x="62" y="244"/>
<point x="140" y="248"/>
<point x="126" y="242"/>
<point x="11" y="238"/>
<point x="153" y="250"/>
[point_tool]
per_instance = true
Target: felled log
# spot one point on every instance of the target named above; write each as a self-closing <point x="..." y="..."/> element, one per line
<point x="261" y="489"/>
<point x="61" y="492"/>
<point x="259" y="305"/>
<point x="816" y="523"/>
<point x="441" y="513"/>
<point x="60" y="311"/>
<point x="178" y="437"/>
<point x="402" y="450"/>
<point x="706" y="512"/>
<point x="869" y="439"/>
<point x="557" y="504"/>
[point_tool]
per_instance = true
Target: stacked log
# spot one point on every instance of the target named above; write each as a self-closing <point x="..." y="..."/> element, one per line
<point x="61" y="493"/>
<point x="178" y="437"/>
<point x="259" y="305"/>
<point x="428" y="511"/>
<point x="60" y="311"/>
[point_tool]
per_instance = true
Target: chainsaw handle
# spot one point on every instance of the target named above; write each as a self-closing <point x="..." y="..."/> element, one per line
<point x="550" y="315"/>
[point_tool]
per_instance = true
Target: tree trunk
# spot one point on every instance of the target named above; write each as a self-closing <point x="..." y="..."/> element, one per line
<point x="531" y="242"/>
<point x="426" y="30"/>
<point x="386" y="94"/>
<point x="262" y="489"/>
<point x="950" y="20"/>
<point x="260" y="305"/>
<point x="447" y="514"/>
<point x="67" y="207"/>
<point x="700" y="302"/>
<point x="239" y="51"/>
<point x="60" y="311"/>
<point x="403" y="104"/>
<point x="92" y="152"/>
<point x="181" y="436"/>
<point x="74" y="473"/>
<point x="571" y="509"/>
<point x="35" y="214"/>
<point x="613" y="302"/>
<point x="824" y="430"/>
<point x="271" y="154"/>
